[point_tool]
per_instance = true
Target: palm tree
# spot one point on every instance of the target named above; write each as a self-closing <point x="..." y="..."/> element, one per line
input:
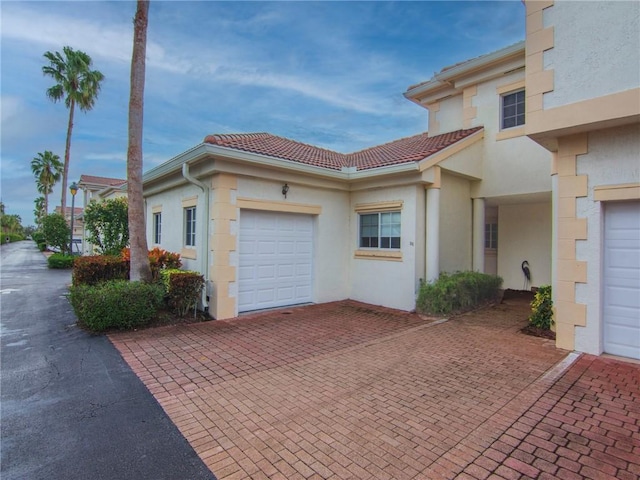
<point x="139" y="263"/>
<point x="39" y="212"/>
<point x="78" y="85"/>
<point x="47" y="169"/>
<point x="11" y="223"/>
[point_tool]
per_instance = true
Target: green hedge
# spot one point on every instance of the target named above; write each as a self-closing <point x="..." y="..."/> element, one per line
<point x="11" y="237"/>
<point x="60" y="260"/>
<point x="116" y="304"/>
<point x="457" y="292"/>
<point x="182" y="288"/>
<point x="95" y="269"/>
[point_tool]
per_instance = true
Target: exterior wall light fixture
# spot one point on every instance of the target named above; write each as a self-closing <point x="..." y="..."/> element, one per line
<point x="285" y="190"/>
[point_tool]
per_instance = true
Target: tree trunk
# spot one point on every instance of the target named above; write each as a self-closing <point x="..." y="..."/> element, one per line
<point x="67" y="153"/>
<point x="140" y="269"/>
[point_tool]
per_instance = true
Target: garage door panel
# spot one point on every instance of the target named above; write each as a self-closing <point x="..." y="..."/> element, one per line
<point x="267" y="247"/>
<point x="266" y="272"/>
<point x="621" y="298"/>
<point x="621" y="279"/>
<point x="286" y="247"/>
<point x="275" y="259"/>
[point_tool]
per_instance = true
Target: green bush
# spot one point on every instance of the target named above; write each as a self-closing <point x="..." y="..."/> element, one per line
<point x="56" y="231"/>
<point x="38" y="237"/>
<point x="182" y="288"/>
<point x="457" y="292"/>
<point x="117" y="304"/>
<point x="107" y="225"/>
<point x="60" y="260"/>
<point x="542" y="308"/>
<point x="11" y="237"/>
<point x="95" y="269"/>
<point x="42" y="246"/>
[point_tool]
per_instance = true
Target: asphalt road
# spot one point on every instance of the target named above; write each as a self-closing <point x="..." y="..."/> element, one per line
<point x="70" y="407"/>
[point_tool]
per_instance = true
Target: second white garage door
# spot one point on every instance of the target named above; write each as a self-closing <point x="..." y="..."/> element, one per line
<point x="275" y="260"/>
<point x="622" y="279"/>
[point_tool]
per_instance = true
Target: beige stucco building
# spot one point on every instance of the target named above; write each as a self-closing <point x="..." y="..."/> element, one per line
<point x="583" y="105"/>
<point x="273" y="222"/>
<point x="532" y="155"/>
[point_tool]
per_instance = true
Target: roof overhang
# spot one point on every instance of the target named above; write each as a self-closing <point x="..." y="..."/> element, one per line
<point x="452" y="80"/>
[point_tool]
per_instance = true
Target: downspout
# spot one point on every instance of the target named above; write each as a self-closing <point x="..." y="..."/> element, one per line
<point x="205" y="231"/>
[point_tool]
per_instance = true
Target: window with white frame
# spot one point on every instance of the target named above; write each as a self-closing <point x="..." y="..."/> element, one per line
<point x="491" y="236"/>
<point x="380" y="230"/>
<point x="157" y="227"/>
<point x="512" y="111"/>
<point x="190" y="226"/>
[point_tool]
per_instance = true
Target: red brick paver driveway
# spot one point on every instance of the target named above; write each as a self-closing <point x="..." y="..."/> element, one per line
<point x="346" y="390"/>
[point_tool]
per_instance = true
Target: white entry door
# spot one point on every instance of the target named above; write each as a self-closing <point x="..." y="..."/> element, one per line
<point x="621" y="298"/>
<point x="275" y="259"/>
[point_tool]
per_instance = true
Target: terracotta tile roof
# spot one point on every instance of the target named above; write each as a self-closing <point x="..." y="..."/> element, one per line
<point x="405" y="150"/>
<point x="107" y="182"/>
<point x="279" y="147"/>
<point x="410" y="149"/>
<point x="67" y="210"/>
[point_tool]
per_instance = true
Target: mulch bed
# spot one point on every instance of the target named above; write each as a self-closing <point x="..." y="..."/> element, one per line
<point x="538" y="332"/>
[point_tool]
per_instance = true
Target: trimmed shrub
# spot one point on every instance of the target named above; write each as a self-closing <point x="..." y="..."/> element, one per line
<point x="117" y="304"/>
<point x="60" y="260"/>
<point x="42" y="246"/>
<point x="95" y="269"/>
<point x="542" y="308"/>
<point x="183" y="289"/>
<point x="457" y="292"/>
<point x="159" y="260"/>
<point x="11" y="237"/>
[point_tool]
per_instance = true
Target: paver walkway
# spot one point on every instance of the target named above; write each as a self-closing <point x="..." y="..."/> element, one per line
<point x="346" y="390"/>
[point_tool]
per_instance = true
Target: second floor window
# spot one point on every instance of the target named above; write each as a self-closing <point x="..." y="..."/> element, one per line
<point x="512" y="110"/>
<point x="190" y="226"/>
<point x="157" y="228"/>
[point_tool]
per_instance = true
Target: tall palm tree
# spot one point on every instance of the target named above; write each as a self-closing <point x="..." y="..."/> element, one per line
<point x="139" y="263"/>
<point x="78" y="85"/>
<point x="47" y="169"/>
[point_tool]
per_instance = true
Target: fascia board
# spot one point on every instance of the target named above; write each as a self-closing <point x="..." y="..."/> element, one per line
<point x="383" y="171"/>
<point x="429" y="92"/>
<point x="481" y="62"/>
<point x="485" y="75"/>
<point x="454" y="76"/>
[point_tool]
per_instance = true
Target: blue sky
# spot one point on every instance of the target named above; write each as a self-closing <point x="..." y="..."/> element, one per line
<point x="331" y="74"/>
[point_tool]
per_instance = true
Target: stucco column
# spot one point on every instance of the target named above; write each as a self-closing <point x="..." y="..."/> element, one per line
<point x="433" y="234"/>
<point x="478" y="234"/>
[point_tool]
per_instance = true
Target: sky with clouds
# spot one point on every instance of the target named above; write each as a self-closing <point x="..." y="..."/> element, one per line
<point x="329" y="73"/>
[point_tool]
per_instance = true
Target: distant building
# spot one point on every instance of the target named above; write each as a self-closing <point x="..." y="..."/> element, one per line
<point x="99" y="188"/>
<point x="78" y="225"/>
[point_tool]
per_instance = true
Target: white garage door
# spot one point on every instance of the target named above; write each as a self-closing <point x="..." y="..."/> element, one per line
<point x="622" y="279"/>
<point x="275" y="259"/>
